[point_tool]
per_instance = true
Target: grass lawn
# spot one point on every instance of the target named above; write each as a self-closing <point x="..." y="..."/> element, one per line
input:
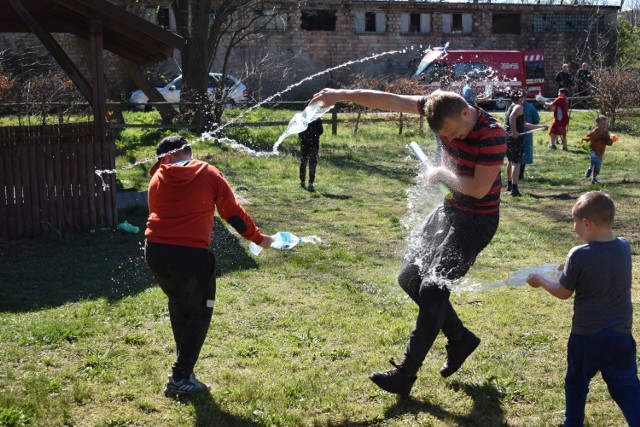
<point x="85" y="338"/>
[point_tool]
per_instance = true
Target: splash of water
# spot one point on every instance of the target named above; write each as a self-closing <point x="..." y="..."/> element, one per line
<point x="213" y="134"/>
<point x="515" y="278"/>
<point x="301" y="121"/>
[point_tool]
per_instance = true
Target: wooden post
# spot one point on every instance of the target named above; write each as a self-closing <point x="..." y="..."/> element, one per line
<point x="99" y="119"/>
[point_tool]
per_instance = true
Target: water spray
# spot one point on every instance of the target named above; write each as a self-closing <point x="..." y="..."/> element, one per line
<point x="427" y="164"/>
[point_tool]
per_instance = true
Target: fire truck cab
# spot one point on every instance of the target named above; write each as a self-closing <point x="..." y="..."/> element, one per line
<point x="493" y="74"/>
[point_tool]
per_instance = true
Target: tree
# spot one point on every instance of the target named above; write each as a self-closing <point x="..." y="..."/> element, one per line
<point x="615" y="88"/>
<point x="213" y="31"/>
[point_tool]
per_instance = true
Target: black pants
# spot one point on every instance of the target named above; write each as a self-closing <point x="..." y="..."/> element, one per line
<point x="187" y="276"/>
<point x="449" y="244"/>
<point x="309" y="154"/>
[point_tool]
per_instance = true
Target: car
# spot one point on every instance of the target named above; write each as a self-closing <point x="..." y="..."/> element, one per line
<point x="236" y="91"/>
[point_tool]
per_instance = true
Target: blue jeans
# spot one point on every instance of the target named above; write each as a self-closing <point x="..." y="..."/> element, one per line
<point x="596" y="164"/>
<point x="614" y="355"/>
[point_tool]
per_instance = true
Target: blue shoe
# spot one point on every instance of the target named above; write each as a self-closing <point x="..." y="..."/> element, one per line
<point x="185" y="387"/>
<point x="588" y="173"/>
<point x="595" y="181"/>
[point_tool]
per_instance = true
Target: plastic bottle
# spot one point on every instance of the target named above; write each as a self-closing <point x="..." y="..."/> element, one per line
<point x="541" y="98"/>
<point x="300" y="121"/>
<point x="129" y="228"/>
<point x="281" y="240"/>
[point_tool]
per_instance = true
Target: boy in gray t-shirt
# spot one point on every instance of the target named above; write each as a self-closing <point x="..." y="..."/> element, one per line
<point x="599" y="272"/>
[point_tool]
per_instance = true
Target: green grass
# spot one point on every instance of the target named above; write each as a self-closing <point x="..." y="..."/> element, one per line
<point x="85" y="337"/>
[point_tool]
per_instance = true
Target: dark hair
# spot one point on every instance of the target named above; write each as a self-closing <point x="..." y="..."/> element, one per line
<point x="441" y="105"/>
<point x="173" y="144"/>
<point x="516" y="95"/>
<point x="596" y="206"/>
<point x="563" y="90"/>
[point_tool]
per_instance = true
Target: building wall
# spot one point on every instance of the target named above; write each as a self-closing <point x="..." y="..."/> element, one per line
<point x="313" y="51"/>
<point x="296" y="53"/>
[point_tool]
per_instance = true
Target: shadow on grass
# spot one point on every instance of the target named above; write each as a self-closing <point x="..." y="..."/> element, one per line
<point x="53" y="271"/>
<point x="486" y="410"/>
<point x="209" y="414"/>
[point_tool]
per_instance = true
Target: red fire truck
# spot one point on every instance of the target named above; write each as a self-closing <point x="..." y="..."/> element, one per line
<point x="491" y="73"/>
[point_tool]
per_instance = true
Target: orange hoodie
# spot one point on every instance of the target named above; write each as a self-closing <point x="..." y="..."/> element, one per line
<point x="182" y="201"/>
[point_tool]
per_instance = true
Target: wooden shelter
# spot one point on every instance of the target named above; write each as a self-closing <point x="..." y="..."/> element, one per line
<point x="34" y="198"/>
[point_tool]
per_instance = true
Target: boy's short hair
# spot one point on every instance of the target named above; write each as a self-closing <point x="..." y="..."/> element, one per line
<point x="601" y="118"/>
<point x="441" y="105"/>
<point x="174" y="144"/>
<point x="564" y="91"/>
<point x="596" y="206"/>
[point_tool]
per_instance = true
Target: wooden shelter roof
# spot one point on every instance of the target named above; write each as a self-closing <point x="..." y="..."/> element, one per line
<point x="125" y="34"/>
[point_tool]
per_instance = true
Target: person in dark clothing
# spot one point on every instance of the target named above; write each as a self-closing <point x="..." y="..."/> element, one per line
<point x="473" y="149"/>
<point x="309" y="147"/>
<point x="584" y="80"/>
<point x="564" y="79"/>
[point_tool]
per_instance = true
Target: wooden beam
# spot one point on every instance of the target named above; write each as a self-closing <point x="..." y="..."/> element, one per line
<point x="55" y="49"/>
<point x="97" y="80"/>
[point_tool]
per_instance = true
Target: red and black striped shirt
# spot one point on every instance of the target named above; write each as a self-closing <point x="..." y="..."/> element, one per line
<point x="485" y="145"/>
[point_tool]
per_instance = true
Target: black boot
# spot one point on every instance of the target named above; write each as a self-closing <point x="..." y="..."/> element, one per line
<point x="457" y="353"/>
<point x="397" y="380"/>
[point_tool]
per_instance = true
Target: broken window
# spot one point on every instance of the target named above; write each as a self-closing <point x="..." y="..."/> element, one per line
<point x="318" y="20"/>
<point x="567" y="23"/>
<point x="415" y="23"/>
<point x="505" y="23"/>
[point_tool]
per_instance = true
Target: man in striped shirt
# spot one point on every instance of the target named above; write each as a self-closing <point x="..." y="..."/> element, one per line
<point x="474" y="146"/>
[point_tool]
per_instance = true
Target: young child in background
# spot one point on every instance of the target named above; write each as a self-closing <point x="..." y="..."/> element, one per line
<point x="560" y="108"/>
<point x="598" y="139"/>
<point x="599" y="272"/>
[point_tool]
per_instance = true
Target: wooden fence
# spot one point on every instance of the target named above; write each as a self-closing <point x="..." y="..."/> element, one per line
<point x="48" y="180"/>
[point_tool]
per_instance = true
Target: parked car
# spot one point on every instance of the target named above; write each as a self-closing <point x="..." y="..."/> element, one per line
<point x="236" y="91"/>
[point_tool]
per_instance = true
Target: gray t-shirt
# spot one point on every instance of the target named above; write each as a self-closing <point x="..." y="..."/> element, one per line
<point x="600" y="275"/>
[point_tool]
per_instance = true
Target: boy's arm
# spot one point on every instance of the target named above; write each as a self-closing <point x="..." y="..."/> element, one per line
<point x="552" y="286"/>
<point x="373" y="99"/>
<point x="476" y="186"/>
<point x="512" y="120"/>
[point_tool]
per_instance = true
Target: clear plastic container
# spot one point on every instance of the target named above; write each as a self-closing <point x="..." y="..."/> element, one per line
<point x="281" y="240"/>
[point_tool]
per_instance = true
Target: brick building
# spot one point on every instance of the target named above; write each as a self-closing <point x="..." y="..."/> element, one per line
<point x="304" y="39"/>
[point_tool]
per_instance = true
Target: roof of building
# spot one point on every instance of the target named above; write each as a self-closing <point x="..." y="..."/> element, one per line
<point x="125" y="34"/>
<point x="596" y="3"/>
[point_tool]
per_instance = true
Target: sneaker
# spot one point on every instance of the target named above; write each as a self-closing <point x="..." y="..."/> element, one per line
<point x="509" y="186"/>
<point x="595" y="181"/>
<point x="302" y="185"/>
<point x="311" y="188"/>
<point x="457" y="353"/>
<point x="185" y="387"/>
<point x="516" y="193"/>
<point x="565" y="149"/>
<point x="553" y="147"/>
<point x="587" y="174"/>
<point x="394" y="381"/>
